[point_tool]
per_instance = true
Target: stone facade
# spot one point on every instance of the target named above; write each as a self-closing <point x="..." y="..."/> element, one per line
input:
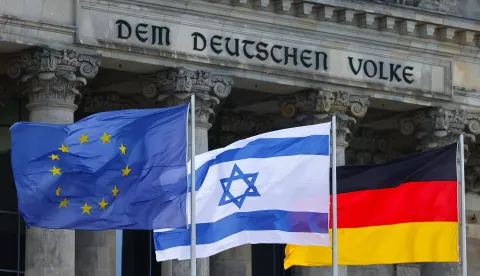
<point x="401" y="76"/>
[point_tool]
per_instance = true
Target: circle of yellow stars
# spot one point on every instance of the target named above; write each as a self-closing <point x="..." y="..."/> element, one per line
<point x="105" y="138"/>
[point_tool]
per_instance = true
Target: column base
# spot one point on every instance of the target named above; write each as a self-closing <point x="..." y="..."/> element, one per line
<point x="233" y="262"/>
<point x="317" y="271"/>
<point x="182" y="268"/>
<point x="49" y="252"/>
<point x="95" y="253"/>
<point x="440" y="269"/>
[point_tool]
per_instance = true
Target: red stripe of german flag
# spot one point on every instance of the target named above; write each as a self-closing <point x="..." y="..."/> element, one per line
<point x="401" y="211"/>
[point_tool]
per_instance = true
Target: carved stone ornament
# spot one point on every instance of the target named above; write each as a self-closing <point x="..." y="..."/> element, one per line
<point x="244" y="122"/>
<point x="439" y="127"/>
<point x="323" y="101"/>
<point x="440" y="269"/>
<point x="180" y="80"/>
<point x="173" y="87"/>
<point x="99" y="102"/>
<point x="472" y="170"/>
<point x="370" y="147"/>
<point x="53" y="76"/>
<point x="5" y="96"/>
<point x="345" y="125"/>
<point x="237" y="125"/>
<point x="318" y="106"/>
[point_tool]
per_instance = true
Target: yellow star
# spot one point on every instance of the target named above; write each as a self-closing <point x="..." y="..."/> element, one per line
<point x="57" y="191"/>
<point x="115" y="191"/>
<point x="63" y="203"/>
<point x="55" y="171"/>
<point x="105" y="138"/>
<point x="126" y="171"/>
<point x="63" y="148"/>
<point x="86" y="209"/>
<point x="103" y="203"/>
<point x="53" y="157"/>
<point x="123" y="149"/>
<point x="83" y="138"/>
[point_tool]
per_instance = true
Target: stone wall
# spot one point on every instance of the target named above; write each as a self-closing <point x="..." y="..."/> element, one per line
<point x="58" y="12"/>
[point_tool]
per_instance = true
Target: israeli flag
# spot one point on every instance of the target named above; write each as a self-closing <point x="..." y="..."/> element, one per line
<point x="270" y="188"/>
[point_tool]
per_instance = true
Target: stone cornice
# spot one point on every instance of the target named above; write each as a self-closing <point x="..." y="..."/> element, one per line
<point x="376" y="20"/>
<point x="45" y="26"/>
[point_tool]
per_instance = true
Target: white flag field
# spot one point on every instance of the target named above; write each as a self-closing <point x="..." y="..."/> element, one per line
<point x="270" y="188"/>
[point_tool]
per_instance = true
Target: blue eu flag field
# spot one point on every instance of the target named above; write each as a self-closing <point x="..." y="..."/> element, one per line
<point x="113" y="170"/>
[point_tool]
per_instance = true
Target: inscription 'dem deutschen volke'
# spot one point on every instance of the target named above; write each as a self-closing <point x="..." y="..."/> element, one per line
<point x="262" y="51"/>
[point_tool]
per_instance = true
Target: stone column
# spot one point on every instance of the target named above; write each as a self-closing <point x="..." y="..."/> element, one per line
<point x="173" y="87"/>
<point x="318" y="106"/>
<point x="54" y="79"/>
<point x="435" y="128"/>
<point x="370" y="147"/>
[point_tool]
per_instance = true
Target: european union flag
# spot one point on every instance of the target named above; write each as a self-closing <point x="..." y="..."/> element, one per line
<point x="113" y="170"/>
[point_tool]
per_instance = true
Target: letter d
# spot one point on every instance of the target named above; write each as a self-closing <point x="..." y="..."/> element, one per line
<point x="195" y="41"/>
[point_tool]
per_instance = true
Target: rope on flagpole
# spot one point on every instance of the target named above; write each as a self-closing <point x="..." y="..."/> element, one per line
<point x="464" y="219"/>
<point x="193" y="228"/>
<point x="334" y="198"/>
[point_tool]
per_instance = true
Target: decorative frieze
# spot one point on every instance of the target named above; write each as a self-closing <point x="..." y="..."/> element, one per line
<point x="53" y="76"/>
<point x="371" y="147"/>
<point x="244" y="122"/>
<point x="237" y="125"/>
<point x="472" y="170"/>
<point x="99" y="102"/>
<point x="5" y="96"/>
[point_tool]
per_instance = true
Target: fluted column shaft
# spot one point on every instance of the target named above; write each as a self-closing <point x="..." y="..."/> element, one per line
<point x="54" y="79"/>
<point x="173" y="87"/>
<point x="435" y="128"/>
<point x="318" y="106"/>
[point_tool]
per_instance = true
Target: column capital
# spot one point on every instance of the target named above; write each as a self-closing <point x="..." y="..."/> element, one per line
<point x="54" y="76"/>
<point x="319" y="105"/>
<point x="174" y="86"/>
<point x="437" y="127"/>
<point x="181" y="80"/>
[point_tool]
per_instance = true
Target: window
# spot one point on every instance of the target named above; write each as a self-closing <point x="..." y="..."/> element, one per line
<point x="12" y="227"/>
<point x="138" y="254"/>
<point x="267" y="259"/>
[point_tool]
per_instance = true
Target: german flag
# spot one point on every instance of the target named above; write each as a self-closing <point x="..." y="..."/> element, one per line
<point x="402" y="211"/>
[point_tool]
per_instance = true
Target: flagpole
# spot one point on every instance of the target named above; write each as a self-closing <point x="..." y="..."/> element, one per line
<point x="193" y="228"/>
<point x="464" y="219"/>
<point x="334" y="197"/>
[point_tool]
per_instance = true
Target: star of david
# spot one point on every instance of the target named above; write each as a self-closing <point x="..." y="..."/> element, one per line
<point x="250" y="190"/>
